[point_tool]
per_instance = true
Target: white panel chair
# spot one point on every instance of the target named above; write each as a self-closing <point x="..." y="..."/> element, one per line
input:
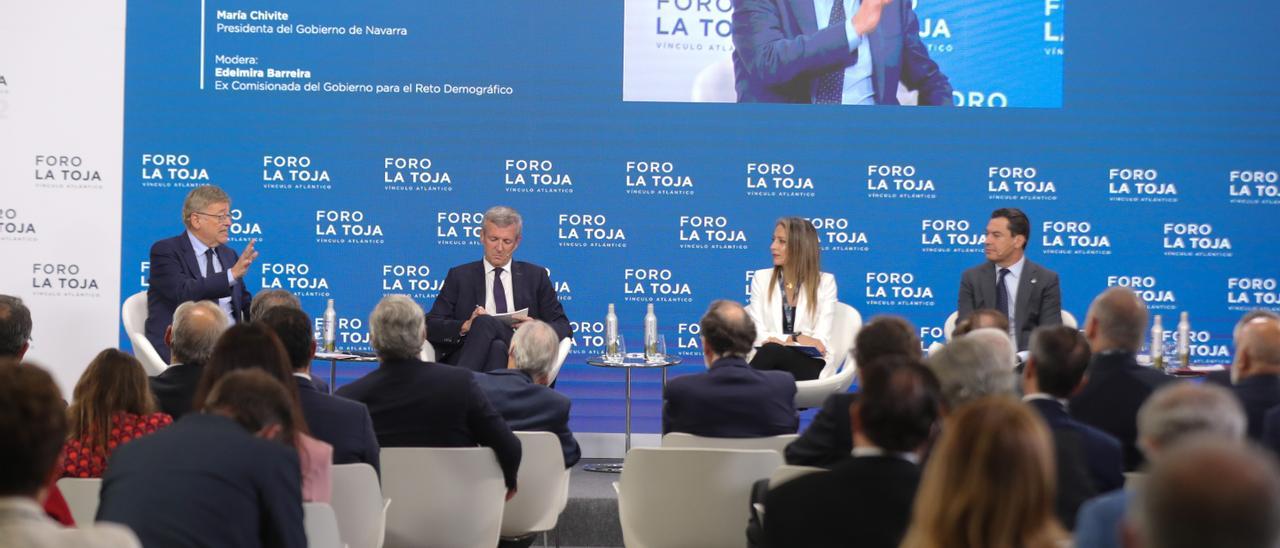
<point x="321" y="525"/>
<point x="788" y="472"/>
<point x="689" y="497"/>
<point x="444" y="496"/>
<point x="428" y="353"/>
<point x="134" y="316"/>
<point x="358" y="504"/>
<point x="544" y="486"/>
<point x="566" y="344"/>
<point x="772" y="443"/>
<point x="838" y="374"/>
<point x="715" y="83"/>
<point x="1068" y="319"/>
<point x="82" y="497"/>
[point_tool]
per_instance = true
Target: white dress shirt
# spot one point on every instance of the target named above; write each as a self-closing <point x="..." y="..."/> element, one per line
<point x="489" y="304"/>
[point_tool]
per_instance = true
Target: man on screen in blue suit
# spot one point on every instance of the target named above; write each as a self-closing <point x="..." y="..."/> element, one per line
<point x="852" y="52"/>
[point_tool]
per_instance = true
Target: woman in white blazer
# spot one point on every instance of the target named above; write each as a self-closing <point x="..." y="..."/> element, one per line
<point x="792" y="304"/>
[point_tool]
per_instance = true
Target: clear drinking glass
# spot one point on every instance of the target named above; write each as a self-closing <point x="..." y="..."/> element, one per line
<point x="619" y="353"/>
<point x="659" y="349"/>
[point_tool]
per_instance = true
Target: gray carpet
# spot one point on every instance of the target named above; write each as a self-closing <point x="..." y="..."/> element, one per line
<point x="591" y="516"/>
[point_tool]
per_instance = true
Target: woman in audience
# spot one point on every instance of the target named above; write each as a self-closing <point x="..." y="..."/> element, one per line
<point x="793" y="302"/>
<point x="989" y="482"/>
<point x="253" y="346"/>
<point x="112" y="405"/>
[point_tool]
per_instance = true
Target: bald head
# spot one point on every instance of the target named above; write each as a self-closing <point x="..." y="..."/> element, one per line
<point x="1117" y="321"/>
<point x="1257" y="349"/>
<point x="727" y="330"/>
<point x="195" y="329"/>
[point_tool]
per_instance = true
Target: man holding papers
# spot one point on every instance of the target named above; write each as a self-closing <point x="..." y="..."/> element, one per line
<point x="483" y="302"/>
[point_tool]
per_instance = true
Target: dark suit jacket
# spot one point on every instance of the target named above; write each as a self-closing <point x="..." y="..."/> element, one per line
<point x="829" y="438"/>
<point x="779" y="53"/>
<point x="1039" y="299"/>
<point x="864" y="502"/>
<point x="176" y="278"/>
<point x="1271" y="430"/>
<point x="420" y="404"/>
<point x="1110" y="399"/>
<point x="175" y="387"/>
<point x="339" y="422"/>
<point x="529" y="406"/>
<point x="464" y="289"/>
<point x="731" y="400"/>
<point x="205" y="481"/>
<point x="1258" y="394"/>
<point x="1089" y="460"/>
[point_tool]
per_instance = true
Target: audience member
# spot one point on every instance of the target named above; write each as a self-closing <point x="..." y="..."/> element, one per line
<point x="983" y="317"/>
<point x="195" y="329"/>
<point x="989" y="482"/>
<point x="1255" y="371"/>
<point x="226" y="477"/>
<point x="254" y="346"/>
<point x="730" y="400"/>
<point x="1089" y="461"/>
<point x="419" y="404"/>
<point x="969" y="368"/>
<point x="828" y="439"/>
<point x="865" y="501"/>
<point x="340" y="422"/>
<point x="1116" y="385"/>
<point x="268" y="299"/>
<point x="520" y="391"/>
<point x="15" y="329"/>
<point x="111" y="406"/>
<point x="33" y="425"/>
<point x="1172" y="415"/>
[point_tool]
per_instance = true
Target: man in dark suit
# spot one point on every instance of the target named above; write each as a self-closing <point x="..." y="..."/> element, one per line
<point x="520" y="391"/>
<point x="1256" y="370"/>
<point x="730" y="400"/>
<point x="1026" y="292"/>
<point x="342" y="423"/>
<point x="225" y="477"/>
<point x="195" y="330"/>
<point x="866" y="500"/>
<point x="820" y="51"/>
<point x="419" y="404"/>
<point x="829" y="439"/>
<point x="197" y="265"/>
<point x="1116" y="385"/>
<point x="1089" y="460"/>
<point x="459" y="324"/>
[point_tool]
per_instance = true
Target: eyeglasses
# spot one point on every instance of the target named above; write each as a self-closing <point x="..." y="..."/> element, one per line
<point x="221" y="218"/>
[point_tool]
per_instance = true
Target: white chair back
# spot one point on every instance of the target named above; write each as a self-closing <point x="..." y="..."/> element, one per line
<point x="544" y="486"/>
<point x="133" y="314"/>
<point x="684" y="439"/>
<point x="566" y="344"/>
<point x="689" y="497"/>
<point x="950" y="325"/>
<point x="428" y="352"/>
<point x="81" y="495"/>
<point x="839" y="373"/>
<point x="321" y="525"/>
<point x="358" y="504"/>
<point x="444" y="496"/>
<point x="1069" y="320"/>
<point x="788" y="472"/>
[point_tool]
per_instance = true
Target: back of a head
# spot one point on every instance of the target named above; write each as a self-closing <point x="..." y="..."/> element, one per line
<point x="1061" y="356"/>
<point x="727" y="329"/>
<point x="245" y="346"/>
<point x="535" y="347"/>
<point x="899" y="403"/>
<point x="268" y="299"/>
<point x="15" y="326"/>
<point x="1248" y="317"/>
<point x="988" y="317"/>
<point x="1121" y="318"/>
<point x="1209" y="494"/>
<point x="254" y="399"/>
<point x="396" y="328"/>
<point x="999" y="343"/>
<point x="1259" y="342"/>
<point x="886" y="336"/>
<point x="33" y="425"/>
<point x="293" y="327"/>
<point x="969" y="368"/>
<point x="113" y="382"/>
<point x="1180" y="411"/>
<point x="196" y="328"/>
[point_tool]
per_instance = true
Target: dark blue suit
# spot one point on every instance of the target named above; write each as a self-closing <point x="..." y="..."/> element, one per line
<point x="419" y="404"/>
<point x="731" y="400"/>
<point x="1110" y="399"/>
<point x="529" y="406"/>
<point x="828" y="440"/>
<point x="1258" y="394"/>
<point x="1271" y="430"/>
<point x="205" y="481"/>
<point x="339" y="422"/>
<point x="779" y="53"/>
<point x="863" y="502"/>
<point x="1089" y="460"/>
<point x="176" y="277"/>
<point x="175" y="387"/>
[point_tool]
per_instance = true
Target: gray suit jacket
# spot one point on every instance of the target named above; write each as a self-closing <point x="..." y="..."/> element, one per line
<point x="1039" y="300"/>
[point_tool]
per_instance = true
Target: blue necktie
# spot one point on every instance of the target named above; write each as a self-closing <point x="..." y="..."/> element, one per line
<point x="208" y="262"/>
<point x="831" y="85"/>
<point x="1002" y="293"/>
<point x="499" y="293"/>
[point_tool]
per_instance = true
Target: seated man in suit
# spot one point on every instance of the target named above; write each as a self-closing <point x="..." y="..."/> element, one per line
<point x="197" y="265"/>
<point x="195" y="329"/>
<point x="866" y="500"/>
<point x="842" y="52"/>
<point x="828" y="440"/>
<point x="730" y="400"/>
<point x="1256" y="370"/>
<point x="1116" y="385"/>
<point x="15" y="329"/>
<point x="1026" y="292"/>
<point x="223" y="477"/>
<point x="520" y="391"/>
<point x="340" y="422"/>
<point x="419" y="404"/>
<point x="1089" y="460"/>
<point x="459" y="325"/>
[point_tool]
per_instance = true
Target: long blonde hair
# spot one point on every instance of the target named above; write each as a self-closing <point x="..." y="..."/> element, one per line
<point x="990" y="483"/>
<point x="113" y="382"/>
<point x="803" y="266"/>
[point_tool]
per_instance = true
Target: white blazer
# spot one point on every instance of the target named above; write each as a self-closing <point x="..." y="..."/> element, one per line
<point x="766" y="311"/>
